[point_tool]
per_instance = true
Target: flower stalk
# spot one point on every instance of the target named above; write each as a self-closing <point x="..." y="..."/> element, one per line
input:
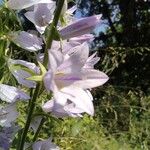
<point x="52" y="29"/>
<point x="29" y="117"/>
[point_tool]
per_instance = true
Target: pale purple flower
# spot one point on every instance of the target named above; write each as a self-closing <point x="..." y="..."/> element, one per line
<point x="69" y="76"/>
<point x="26" y="41"/>
<point x="45" y="145"/>
<point x="71" y="72"/>
<point x="42" y="15"/>
<point x="21" y="4"/>
<point x="10" y="94"/>
<point x="8" y="114"/>
<point x="80" y="27"/>
<point x="20" y="74"/>
<point x="70" y="101"/>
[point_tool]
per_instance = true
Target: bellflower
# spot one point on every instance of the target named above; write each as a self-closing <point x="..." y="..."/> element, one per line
<point x="8" y="114"/>
<point x="41" y="16"/>
<point x="10" y="94"/>
<point x="70" y="101"/>
<point x="26" y="41"/>
<point x="65" y="72"/>
<point x="18" y="4"/>
<point x="68" y="78"/>
<point x="80" y="27"/>
<point x="45" y="145"/>
<point x="21" y="74"/>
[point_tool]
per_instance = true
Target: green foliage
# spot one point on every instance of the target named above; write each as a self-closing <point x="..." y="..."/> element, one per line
<point x="121" y="122"/>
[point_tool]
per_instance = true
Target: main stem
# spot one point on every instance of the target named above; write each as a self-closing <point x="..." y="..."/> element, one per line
<point x="29" y="117"/>
<point x="37" y="90"/>
<point x="51" y="31"/>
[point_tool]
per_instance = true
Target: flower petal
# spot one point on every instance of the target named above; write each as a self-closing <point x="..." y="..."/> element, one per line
<point x="27" y="41"/>
<point x="49" y="81"/>
<point x="67" y="46"/>
<point x="70" y="101"/>
<point x="55" y="109"/>
<point x="90" y="78"/>
<point x="83" y="38"/>
<point x="41" y="16"/>
<point x="21" y="74"/>
<point x="10" y="94"/>
<point x="27" y="64"/>
<point x="80" y="98"/>
<point x="8" y="114"/>
<point x="18" y="4"/>
<point x="91" y="61"/>
<point x="76" y="60"/>
<point x="55" y="59"/>
<point x="86" y="79"/>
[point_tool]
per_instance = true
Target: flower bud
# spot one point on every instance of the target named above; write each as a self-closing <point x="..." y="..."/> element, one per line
<point x="80" y="27"/>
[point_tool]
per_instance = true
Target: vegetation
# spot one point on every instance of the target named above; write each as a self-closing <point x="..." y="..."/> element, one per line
<point x="122" y="106"/>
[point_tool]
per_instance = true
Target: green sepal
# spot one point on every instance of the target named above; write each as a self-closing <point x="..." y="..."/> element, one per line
<point x="42" y="68"/>
<point x="35" y="78"/>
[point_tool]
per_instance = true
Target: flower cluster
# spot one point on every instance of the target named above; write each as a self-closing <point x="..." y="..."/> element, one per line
<point x="68" y="74"/>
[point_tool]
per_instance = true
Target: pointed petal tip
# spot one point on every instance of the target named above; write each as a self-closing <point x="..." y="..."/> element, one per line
<point x="47" y="107"/>
<point x="98" y="17"/>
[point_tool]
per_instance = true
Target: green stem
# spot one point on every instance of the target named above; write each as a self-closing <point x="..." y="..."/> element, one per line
<point x="51" y="31"/>
<point x="38" y="130"/>
<point x="29" y="117"/>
